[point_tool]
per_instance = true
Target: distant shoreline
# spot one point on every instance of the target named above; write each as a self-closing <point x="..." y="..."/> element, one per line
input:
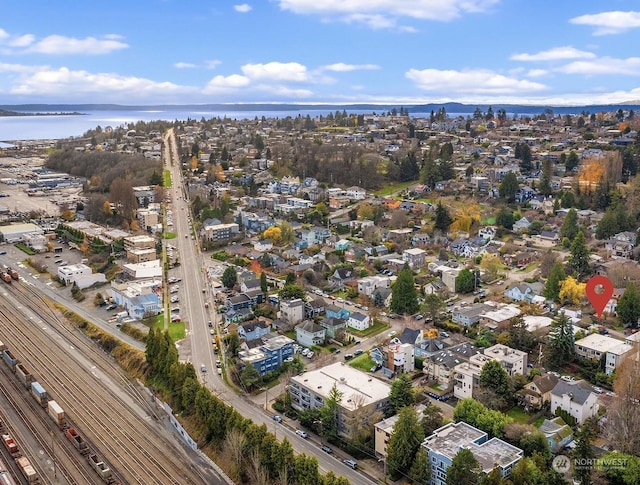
<point x="7" y="113"/>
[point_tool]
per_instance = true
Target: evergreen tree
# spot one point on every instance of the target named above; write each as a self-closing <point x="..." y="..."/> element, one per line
<point x="523" y="152"/>
<point x="628" y="308"/>
<point x="466" y="281"/>
<point x="569" y="227"/>
<point x="560" y="345"/>
<point x="229" y="277"/>
<point x="556" y="277"/>
<point x="545" y="180"/>
<point x="263" y="283"/>
<point x="505" y="218"/>
<point x="579" y="258"/>
<point x="443" y="219"/>
<point x="464" y="469"/>
<point x="401" y="394"/>
<point x="584" y="452"/>
<point x="494" y="377"/>
<point x="329" y="414"/>
<point x="520" y="337"/>
<point x="420" y="473"/>
<point x="430" y="173"/>
<point x="404" y="297"/>
<point x="404" y="442"/>
<point x="508" y="187"/>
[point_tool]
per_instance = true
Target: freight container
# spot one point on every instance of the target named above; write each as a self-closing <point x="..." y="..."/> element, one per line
<point x="3" y="346"/>
<point x="10" y="359"/>
<point x="24" y="375"/>
<point x="103" y="470"/>
<point x="6" y="479"/>
<point x="76" y="439"/>
<point x="38" y="392"/>
<point x="56" y="413"/>
<point x="9" y="444"/>
<point x="27" y="470"/>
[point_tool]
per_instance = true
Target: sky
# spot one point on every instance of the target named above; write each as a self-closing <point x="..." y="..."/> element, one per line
<point x="403" y="52"/>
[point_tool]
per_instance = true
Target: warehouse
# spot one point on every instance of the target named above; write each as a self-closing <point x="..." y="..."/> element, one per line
<point x="14" y="233"/>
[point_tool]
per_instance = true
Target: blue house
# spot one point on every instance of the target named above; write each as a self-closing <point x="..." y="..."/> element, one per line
<point x="254" y="330"/>
<point x="270" y="355"/>
<point x="332" y="311"/>
<point x="237" y="302"/>
<point x="558" y="433"/>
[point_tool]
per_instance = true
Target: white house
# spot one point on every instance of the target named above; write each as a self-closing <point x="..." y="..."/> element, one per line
<point x="356" y="193"/>
<point x="80" y="274"/>
<point x="359" y="321"/>
<point x="576" y="398"/>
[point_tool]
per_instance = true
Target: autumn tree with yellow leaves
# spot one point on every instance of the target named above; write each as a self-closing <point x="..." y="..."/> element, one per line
<point x="597" y="170"/>
<point x="274" y="233"/>
<point x="571" y="291"/>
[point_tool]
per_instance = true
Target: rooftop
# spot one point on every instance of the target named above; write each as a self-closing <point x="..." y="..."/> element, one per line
<point x="599" y="343"/>
<point x="357" y="387"/>
<point x="504" y="353"/>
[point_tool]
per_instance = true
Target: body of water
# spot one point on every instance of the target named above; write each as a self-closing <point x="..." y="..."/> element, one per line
<point x="66" y="126"/>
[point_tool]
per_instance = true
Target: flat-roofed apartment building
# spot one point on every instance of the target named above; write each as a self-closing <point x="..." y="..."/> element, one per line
<point x="364" y="398"/>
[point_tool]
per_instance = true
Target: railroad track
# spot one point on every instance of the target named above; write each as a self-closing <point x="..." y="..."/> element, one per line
<point x="128" y="443"/>
<point x="68" y="463"/>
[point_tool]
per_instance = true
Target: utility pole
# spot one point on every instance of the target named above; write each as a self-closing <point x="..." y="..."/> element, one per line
<point x="53" y="456"/>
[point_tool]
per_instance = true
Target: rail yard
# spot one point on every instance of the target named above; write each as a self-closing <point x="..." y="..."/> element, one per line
<point x="60" y="399"/>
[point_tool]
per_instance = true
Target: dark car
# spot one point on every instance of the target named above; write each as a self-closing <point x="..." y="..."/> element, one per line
<point x="326" y="449"/>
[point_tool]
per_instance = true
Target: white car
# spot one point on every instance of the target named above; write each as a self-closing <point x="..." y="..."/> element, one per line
<point x="310" y="354"/>
<point x="175" y="299"/>
<point x="305" y="351"/>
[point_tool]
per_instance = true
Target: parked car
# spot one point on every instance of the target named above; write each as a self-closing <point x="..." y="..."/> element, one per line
<point x="111" y="307"/>
<point x="203" y="368"/>
<point x="310" y="354"/>
<point x="358" y="352"/>
<point x="444" y="334"/>
<point x="277" y="418"/>
<point x="302" y="434"/>
<point x="350" y="463"/>
<point x="326" y="449"/>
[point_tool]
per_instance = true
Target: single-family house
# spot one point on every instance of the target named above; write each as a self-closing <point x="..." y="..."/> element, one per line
<point x="521" y="225"/>
<point x="359" y="321"/>
<point x="576" y="398"/>
<point x="308" y="334"/>
<point x="558" y="433"/>
<point x="537" y="392"/>
<point x="470" y="315"/>
<point x="340" y="277"/>
<point x="334" y="327"/>
<point x="292" y="311"/>
<point x="333" y="311"/>
<point x="524" y="291"/>
<point x="415" y="257"/>
<point x="253" y="330"/>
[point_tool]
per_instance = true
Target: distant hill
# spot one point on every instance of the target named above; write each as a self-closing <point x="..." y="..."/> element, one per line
<point x="44" y="109"/>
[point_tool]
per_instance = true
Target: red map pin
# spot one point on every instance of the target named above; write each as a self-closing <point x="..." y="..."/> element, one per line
<point x="599" y="290"/>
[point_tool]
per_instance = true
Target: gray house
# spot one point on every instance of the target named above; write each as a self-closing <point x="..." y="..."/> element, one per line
<point x="309" y="334"/>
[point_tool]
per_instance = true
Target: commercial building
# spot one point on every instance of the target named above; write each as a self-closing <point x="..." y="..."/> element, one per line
<point x="80" y="274"/>
<point x="445" y="443"/>
<point x="364" y="399"/>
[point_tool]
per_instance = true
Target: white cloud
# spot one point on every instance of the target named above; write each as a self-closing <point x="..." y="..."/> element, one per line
<point x="604" y="65"/>
<point x="58" y="44"/>
<point x="212" y="64"/>
<point x="21" y="68"/>
<point x="64" y="82"/>
<point x="537" y="72"/>
<point x="284" y="91"/>
<point x="276" y="71"/>
<point x="225" y="84"/>
<point x="184" y="65"/>
<point x="342" y="67"/>
<point x="473" y="82"/>
<point x="22" y="41"/>
<point x="3" y="34"/>
<point x="386" y="13"/>
<point x="607" y="23"/>
<point x="557" y="53"/>
<point x="242" y="8"/>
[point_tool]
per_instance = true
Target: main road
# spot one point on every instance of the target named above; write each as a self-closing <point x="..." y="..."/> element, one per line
<point x="196" y="291"/>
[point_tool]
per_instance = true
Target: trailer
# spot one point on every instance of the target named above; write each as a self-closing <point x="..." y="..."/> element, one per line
<point x="27" y="470"/>
<point x="78" y="442"/>
<point x="10" y="359"/>
<point x="24" y="375"/>
<point x="103" y="470"/>
<point x="10" y="444"/>
<point x="56" y="413"/>
<point x="39" y="393"/>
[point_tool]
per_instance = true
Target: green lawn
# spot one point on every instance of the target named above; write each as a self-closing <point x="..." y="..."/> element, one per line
<point x="169" y="235"/>
<point x="176" y="329"/>
<point x="25" y="248"/>
<point x="391" y="189"/>
<point x="519" y="415"/>
<point x="489" y="221"/>
<point x="374" y="329"/>
<point x="362" y="362"/>
<point x="166" y="176"/>
<point x="539" y="421"/>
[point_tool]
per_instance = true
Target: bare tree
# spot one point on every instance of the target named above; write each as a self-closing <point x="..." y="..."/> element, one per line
<point x="623" y="425"/>
<point x="362" y="419"/>
<point x="235" y="444"/>
<point x="258" y="474"/>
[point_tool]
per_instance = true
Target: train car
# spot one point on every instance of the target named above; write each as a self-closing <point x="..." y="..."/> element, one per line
<point x="13" y="273"/>
<point x="103" y="470"/>
<point x="10" y="359"/>
<point x="39" y="393"/>
<point x="27" y="469"/>
<point x="78" y="442"/>
<point x="2" y="346"/>
<point x="10" y="444"/>
<point x="6" y="479"/>
<point x="6" y="277"/>
<point x="24" y="375"/>
<point x="56" y="413"/>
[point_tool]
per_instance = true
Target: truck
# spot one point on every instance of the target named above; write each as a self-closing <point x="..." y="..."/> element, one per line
<point x="76" y="439"/>
<point x="39" y="393"/>
<point x="56" y="413"/>
<point x="24" y="375"/>
<point x="10" y="444"/>
<point x="103" y="470"/>
<point x="27" y="469"/>
<point x="13" y="273"/>
<point x="10" y="359"/>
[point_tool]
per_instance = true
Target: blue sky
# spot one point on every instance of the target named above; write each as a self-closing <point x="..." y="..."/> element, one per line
<point x="559" y="52"/>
